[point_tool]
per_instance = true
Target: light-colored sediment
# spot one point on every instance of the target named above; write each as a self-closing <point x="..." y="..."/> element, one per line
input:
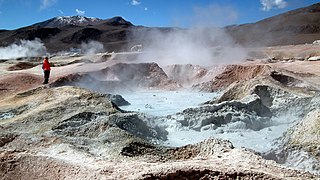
<point x="64" y="132"/>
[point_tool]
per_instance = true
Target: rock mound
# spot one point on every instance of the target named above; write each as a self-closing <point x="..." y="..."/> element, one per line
<point x="300" y="144"/>
<point x="73" y="115"/>
<point x="282" y="93"/>
<point x="249" y="113"/>
<point x="68" y="132"/>
<point x="143" y="74"/>
<point x="118" y="100"/>
<point x="185" y="74"/>
<point x="234" y="73"/>
<point x="274" y="87"/>
<point x="206" y="174"/>
<point x="121" y="77"/>
<point x="21" y="66"/>
<point x="18" y="82"/>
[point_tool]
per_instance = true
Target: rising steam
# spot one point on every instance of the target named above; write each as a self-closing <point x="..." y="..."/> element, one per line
<point x="202" y="44"/>
<point x="24" y="48"/>
<point x="91" y="48"/>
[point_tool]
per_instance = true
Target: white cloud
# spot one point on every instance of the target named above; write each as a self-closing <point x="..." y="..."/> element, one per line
<point x="135" y="2"/>
<point x="60" y="11"/>
<point x="47" y="3"/>
<point x="267" y="5"/>
<point x="80" y="13"/>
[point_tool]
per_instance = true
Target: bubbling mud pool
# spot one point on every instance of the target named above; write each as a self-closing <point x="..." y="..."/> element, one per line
<point x="167" y="103"/>
<point x="162" y="103"/>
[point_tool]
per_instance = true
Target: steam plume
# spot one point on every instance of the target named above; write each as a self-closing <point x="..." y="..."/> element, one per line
<point x="92" y="47"/>
<point x="203" y="44"/>
<point x="24" y="48"/>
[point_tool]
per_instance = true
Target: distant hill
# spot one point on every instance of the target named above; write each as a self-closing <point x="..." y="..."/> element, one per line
<point x="294" y="27"/>
<point x="63" y="33"/>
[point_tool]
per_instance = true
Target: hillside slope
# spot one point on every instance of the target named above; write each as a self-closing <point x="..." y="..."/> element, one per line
<point x="294" y="27"/>
<point x="63" y="33"/>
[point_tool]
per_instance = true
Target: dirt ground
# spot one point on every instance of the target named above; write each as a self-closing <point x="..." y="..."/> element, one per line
<point x="44" y="157"/>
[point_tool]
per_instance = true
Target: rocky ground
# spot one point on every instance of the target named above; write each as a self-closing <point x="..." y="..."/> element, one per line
<point x="74" y="129"/>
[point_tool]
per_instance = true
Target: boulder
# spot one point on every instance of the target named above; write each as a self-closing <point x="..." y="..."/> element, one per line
<point x="314" y="58"/>
<point x="316" y="42"/>
<point x="118" y="99"/>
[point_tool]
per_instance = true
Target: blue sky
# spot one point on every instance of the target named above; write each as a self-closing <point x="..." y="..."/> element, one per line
<point x="154" y="13"/>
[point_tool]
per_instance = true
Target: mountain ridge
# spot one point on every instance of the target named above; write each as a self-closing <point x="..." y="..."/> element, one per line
<point x="61" y="21"/>
<point x="65" y="20"/>
<point x="298" y="26"/>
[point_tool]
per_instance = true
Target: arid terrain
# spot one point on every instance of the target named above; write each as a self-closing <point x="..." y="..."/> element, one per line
<point x="72" y="129"/>
<point x="134" y="102"/>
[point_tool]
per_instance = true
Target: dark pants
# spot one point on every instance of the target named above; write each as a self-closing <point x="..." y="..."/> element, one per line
<point x="46" y="76"/>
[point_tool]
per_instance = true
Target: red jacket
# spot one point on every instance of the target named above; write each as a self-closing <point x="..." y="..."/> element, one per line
<point x="46" y="65"/>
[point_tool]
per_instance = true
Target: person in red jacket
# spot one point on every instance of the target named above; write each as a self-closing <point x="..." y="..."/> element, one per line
<point x="46" y="70"/>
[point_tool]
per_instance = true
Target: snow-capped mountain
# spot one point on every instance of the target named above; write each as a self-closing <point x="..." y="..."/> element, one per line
<point x="66" y="32"/>
<point x="69" y="20"/>
<point x="81" y="21"/>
